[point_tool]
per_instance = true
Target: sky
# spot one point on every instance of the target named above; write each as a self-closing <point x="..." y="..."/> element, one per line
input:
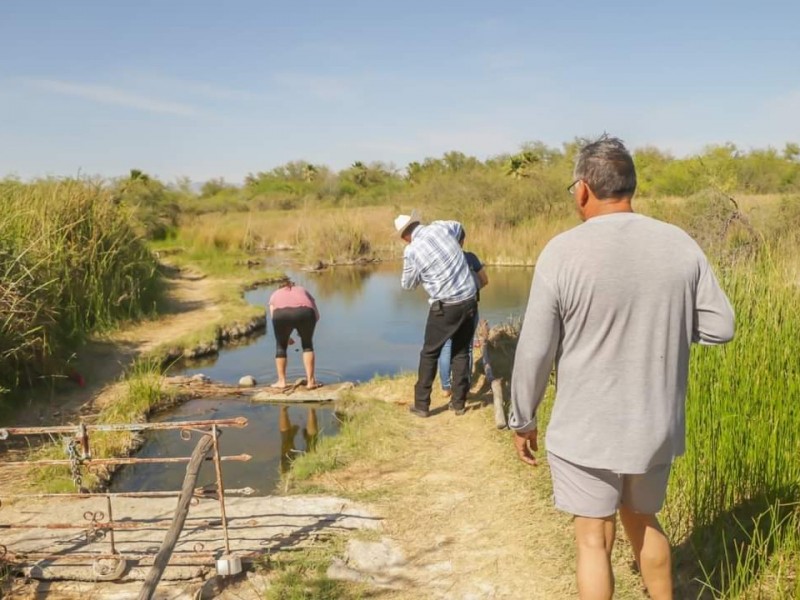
<point x="201" y="89"/>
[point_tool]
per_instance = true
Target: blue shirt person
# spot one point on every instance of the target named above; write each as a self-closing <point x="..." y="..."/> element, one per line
<point x="481" y="280"/>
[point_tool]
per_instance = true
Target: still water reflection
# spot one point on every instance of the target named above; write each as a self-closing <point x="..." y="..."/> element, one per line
<point x="274" y="436"/>
<point x="369" y="326"/>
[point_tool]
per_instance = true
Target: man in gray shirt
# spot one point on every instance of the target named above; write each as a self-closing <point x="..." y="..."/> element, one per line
<point x="616" y="303"/>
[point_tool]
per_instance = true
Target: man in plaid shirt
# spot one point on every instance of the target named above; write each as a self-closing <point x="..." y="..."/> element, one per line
<point x="434" y="258"/>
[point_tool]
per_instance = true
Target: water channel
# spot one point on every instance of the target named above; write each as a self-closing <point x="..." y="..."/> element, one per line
<point x="369" y="326"/>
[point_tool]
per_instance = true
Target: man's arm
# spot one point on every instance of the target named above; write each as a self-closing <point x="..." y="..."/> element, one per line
<point x="483" y="278"/>
<point x="714" y="321"/>
<point x="536" y="351"/>
<point x="410" y="278"/>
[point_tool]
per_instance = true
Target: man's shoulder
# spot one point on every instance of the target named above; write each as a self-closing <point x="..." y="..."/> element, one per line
<point x="667" y="233"/>
<point x="472" y="258"/>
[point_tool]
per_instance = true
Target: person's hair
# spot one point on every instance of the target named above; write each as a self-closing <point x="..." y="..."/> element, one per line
<point x="607" y="168"/>
<point x="410" y="228"/>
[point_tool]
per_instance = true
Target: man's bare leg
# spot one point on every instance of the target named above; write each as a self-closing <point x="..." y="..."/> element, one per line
<point x="651" y="550"/>
<point x="595" y="541"/>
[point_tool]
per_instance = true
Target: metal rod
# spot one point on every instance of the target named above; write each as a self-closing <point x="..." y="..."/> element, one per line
<point x="238" y="422"/>
<point x="121" y="461"/>
<point x="220" y="488"/>
<point x="110" y="525"/>
<point x="199" y="493"/>
<point x="23" y="556"/>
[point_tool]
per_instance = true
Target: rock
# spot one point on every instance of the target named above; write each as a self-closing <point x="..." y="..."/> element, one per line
<point x="373" y="557"/>
<point x="247" y="381"/>
<point x="200" y="377"/>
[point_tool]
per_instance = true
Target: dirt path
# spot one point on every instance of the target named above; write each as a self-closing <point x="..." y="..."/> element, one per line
<point x="470" y="521"/>
<point x="464" y="508"/>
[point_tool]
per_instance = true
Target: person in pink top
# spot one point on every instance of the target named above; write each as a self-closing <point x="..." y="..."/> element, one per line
<point x="291" y="308"/>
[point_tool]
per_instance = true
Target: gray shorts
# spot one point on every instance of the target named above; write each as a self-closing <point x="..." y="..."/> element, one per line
<point x="588" y="492"/>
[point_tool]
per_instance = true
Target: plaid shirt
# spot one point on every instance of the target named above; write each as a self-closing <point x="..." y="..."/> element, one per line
<point x="434" y="258"/>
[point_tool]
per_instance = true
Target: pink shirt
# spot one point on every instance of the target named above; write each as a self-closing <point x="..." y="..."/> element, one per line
<point x="293" y="297"/>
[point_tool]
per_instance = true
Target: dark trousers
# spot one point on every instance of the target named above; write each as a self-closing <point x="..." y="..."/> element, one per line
<point x="286" y="320"/>
<point x="456" y="322"/>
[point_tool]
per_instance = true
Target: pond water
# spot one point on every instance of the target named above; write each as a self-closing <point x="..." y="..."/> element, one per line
<point x="368" y="326"/>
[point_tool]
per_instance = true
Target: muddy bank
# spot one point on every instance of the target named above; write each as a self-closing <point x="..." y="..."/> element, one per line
<point x="224" y="335"/>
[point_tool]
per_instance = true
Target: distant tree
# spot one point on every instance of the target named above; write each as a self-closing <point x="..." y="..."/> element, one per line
<point x="544" y="153"/>
<point x="519" y="165"/>
<point x="138" y="175"/>
<point x="310" y="172"/>
<point x="212" y="187"/>
<point x="359" y="173"/>
<point x="414" y="172"/>
<point x="791" y="151"/>
<point x="454" y="161"/>
<point x="650" y="164"/>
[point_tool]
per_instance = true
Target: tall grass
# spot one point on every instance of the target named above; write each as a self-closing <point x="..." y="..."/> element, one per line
<point x="735" y="494"/>
<point x="70" y="263"/>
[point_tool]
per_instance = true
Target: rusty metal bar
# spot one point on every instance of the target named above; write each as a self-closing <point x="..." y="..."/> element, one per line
<point x="120" y="461"/>
<point x="98" y="524"/>
<point x="24" y="556"/>
<point x="220" y="488"/>
<point x="198" y="493"/>
<point x="110" y="525"/>
<point x="238" y="422"/>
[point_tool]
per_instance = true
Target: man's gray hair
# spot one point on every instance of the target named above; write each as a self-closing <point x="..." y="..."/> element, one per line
<point x="607" y="168"/>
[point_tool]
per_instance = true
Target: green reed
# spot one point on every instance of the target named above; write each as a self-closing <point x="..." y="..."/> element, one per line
<point x="735" y="491"/>
<point x="70" y="264"/>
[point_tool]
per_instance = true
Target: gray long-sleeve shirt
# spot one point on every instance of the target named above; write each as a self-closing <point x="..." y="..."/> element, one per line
<point x="616" y="303"/>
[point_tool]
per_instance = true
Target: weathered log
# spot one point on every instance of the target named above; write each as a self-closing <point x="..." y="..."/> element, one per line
<point x="203" y="447"/>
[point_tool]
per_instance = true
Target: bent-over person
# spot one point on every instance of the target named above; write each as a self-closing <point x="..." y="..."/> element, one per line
<point x="434" y="259"/>
<point x="292" y="307"/>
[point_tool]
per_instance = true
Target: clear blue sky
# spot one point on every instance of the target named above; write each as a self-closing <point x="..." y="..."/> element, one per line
<point x="224" y="88"/>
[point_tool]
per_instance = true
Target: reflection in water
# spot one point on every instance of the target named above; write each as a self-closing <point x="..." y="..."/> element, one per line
<point x="270" y="438"/>
<point x="288" y="433"/>
<point x="348" y="283"/>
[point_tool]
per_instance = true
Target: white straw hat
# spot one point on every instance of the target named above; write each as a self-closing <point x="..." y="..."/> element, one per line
<point x="402" y="222"/>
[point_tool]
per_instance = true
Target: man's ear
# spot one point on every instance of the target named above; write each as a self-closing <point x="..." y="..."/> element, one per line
<point x="582" y="194"/>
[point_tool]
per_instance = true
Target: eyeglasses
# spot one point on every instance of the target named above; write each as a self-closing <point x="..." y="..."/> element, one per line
<point x="571" y="187"/>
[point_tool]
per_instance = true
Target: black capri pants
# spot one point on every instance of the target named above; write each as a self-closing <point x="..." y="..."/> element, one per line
<point x="286" y="320"/>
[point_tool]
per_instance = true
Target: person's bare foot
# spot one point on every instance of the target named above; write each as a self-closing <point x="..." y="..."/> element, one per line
<point x="313" y="384"/>
<point x="279" y="385"/>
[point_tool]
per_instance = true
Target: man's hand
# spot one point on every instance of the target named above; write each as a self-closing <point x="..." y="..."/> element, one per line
<point x="526" y="445"/>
